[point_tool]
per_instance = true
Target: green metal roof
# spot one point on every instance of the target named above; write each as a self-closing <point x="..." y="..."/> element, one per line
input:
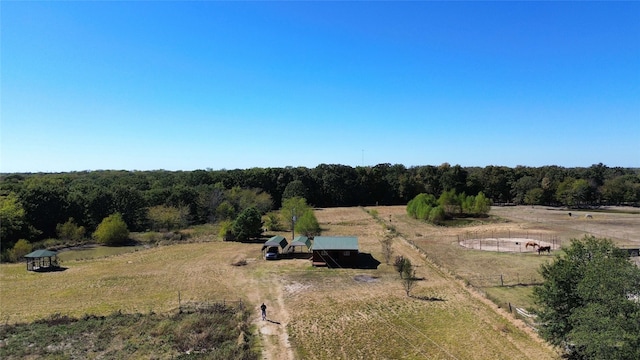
<point x="41" y="253"/>
<point x="301" y="241"/>
<point x="277" y="241"/>
<point x="335" y="243"/>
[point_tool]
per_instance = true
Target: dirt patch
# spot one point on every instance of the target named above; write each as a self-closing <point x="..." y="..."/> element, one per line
<point x="365" y="278"/>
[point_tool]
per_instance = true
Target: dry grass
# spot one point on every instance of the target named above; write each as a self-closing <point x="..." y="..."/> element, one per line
<point x="483" y="269"/>
<point x="318" y="313"/>
<point x="337" y="316"/>
<point x="147" y="280"/>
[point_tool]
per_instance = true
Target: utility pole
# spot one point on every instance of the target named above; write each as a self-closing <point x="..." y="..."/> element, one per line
<point x="293" y="223"/>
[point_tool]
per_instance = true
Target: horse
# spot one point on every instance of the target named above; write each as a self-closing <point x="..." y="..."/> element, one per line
<point x="543" y="249"/>
<point x="533" y="244"/>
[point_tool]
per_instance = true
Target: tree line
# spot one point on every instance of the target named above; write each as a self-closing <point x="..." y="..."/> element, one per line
<point x="33" y="205"/>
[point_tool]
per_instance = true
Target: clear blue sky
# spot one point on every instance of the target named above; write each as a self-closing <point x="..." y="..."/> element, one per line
<point x="224" y="85"/>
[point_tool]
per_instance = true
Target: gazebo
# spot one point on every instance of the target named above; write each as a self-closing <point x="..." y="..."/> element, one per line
<point x="42" y="260"/>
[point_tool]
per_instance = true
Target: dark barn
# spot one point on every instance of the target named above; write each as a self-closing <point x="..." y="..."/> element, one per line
<point x="335" y="251"/>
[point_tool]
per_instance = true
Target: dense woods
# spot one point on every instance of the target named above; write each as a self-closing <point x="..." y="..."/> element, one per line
<point x="35" y="206"/>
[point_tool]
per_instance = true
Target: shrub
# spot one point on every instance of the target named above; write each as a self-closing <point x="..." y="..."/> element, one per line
<point x="226" y="232"/>
<point x="112" y="231"/>
<point x="21" y="248"/>
<point x="70" y="230"/>
<point x="307" y="224"/>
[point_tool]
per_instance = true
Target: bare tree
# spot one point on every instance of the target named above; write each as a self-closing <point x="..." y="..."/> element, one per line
<point x="409" y="277"/>
<point x="387" y="251"/>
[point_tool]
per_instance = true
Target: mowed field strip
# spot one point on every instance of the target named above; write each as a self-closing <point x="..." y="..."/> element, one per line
<point x="320" y="313"/>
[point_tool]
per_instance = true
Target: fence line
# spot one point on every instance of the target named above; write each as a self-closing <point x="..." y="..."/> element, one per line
<point x="506" y="241"/>
<point x="507" y="234"/>
<point x="505" y="279"/>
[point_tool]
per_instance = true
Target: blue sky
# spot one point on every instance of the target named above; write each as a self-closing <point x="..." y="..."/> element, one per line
<point x="223" y="85"/>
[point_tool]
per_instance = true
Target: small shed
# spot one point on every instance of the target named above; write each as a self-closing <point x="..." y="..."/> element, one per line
<point x="276" y="241"/>
<point x="301" y="241"/>
<point x="42" y="260"/>
<point x="335" y="251"/>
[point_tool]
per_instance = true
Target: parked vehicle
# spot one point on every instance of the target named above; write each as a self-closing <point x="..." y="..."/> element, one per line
<point x="272" y="253"/>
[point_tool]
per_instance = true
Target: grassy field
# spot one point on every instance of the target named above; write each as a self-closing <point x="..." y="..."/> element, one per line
<point x="203" y="334"/>
<point x="319" y="313"/>
<point x="486" y="270"/>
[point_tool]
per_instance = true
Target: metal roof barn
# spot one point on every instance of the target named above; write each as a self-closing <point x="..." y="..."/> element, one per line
<point x="335" y="251"/>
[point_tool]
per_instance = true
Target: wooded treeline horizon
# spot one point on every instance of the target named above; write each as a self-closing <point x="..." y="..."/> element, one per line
<point x="33" y="204"/>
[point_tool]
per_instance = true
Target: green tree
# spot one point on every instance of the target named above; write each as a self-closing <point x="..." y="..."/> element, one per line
<point x="70" y="230"/>
<point x="521" y="187"/>
<point x="293" y="207"/>
<point x="481" y="204"/>
<point x="226" y="230"/>
<point x="130" y="203"/>
<point x="13" y="224"/>
<point x="294" y="189"/>
<point x="163" y="217"/>
<point x="112" y="231"/>
<point x="586" y="301"/>
<point x="534" y="196"/>
<point x="21" y="248"/>
<point x="420" y="206"/>
<point x="564" y="192"/>
<point x="248" y="224"/>
<point x="45" y="204"/>
<point x="437" y="215"/>
<point x="450" y="202"/>
<point x="621" y="189"/>
<point x="307" y="224"/>
<point x="272" y="222"/>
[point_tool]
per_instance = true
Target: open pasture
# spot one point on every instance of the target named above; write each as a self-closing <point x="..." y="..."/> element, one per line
<point x="485" y="254"/>
<point x="313" y="313"/>
<point x="335" y="313"/>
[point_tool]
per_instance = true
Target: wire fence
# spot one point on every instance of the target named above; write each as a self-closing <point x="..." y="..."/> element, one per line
<point x="514" y="279"/>
<point x="508" y="241"/>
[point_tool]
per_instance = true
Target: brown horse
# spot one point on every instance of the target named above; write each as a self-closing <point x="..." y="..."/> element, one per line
<point x="533" y="244"/>
<point x="543" y="249"/>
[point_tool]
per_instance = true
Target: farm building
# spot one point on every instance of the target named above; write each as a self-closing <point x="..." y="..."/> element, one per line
<point x="300" y="241"/>
<point x="277" y="241"/>
<point x="335" y="251"/>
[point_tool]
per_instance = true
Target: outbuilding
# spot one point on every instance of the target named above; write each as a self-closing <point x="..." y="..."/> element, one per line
<point x="300" y="241"/>
<point x="277" y="241"/>
<point x="42" y="260"/>
<point x="335" y="251"/>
